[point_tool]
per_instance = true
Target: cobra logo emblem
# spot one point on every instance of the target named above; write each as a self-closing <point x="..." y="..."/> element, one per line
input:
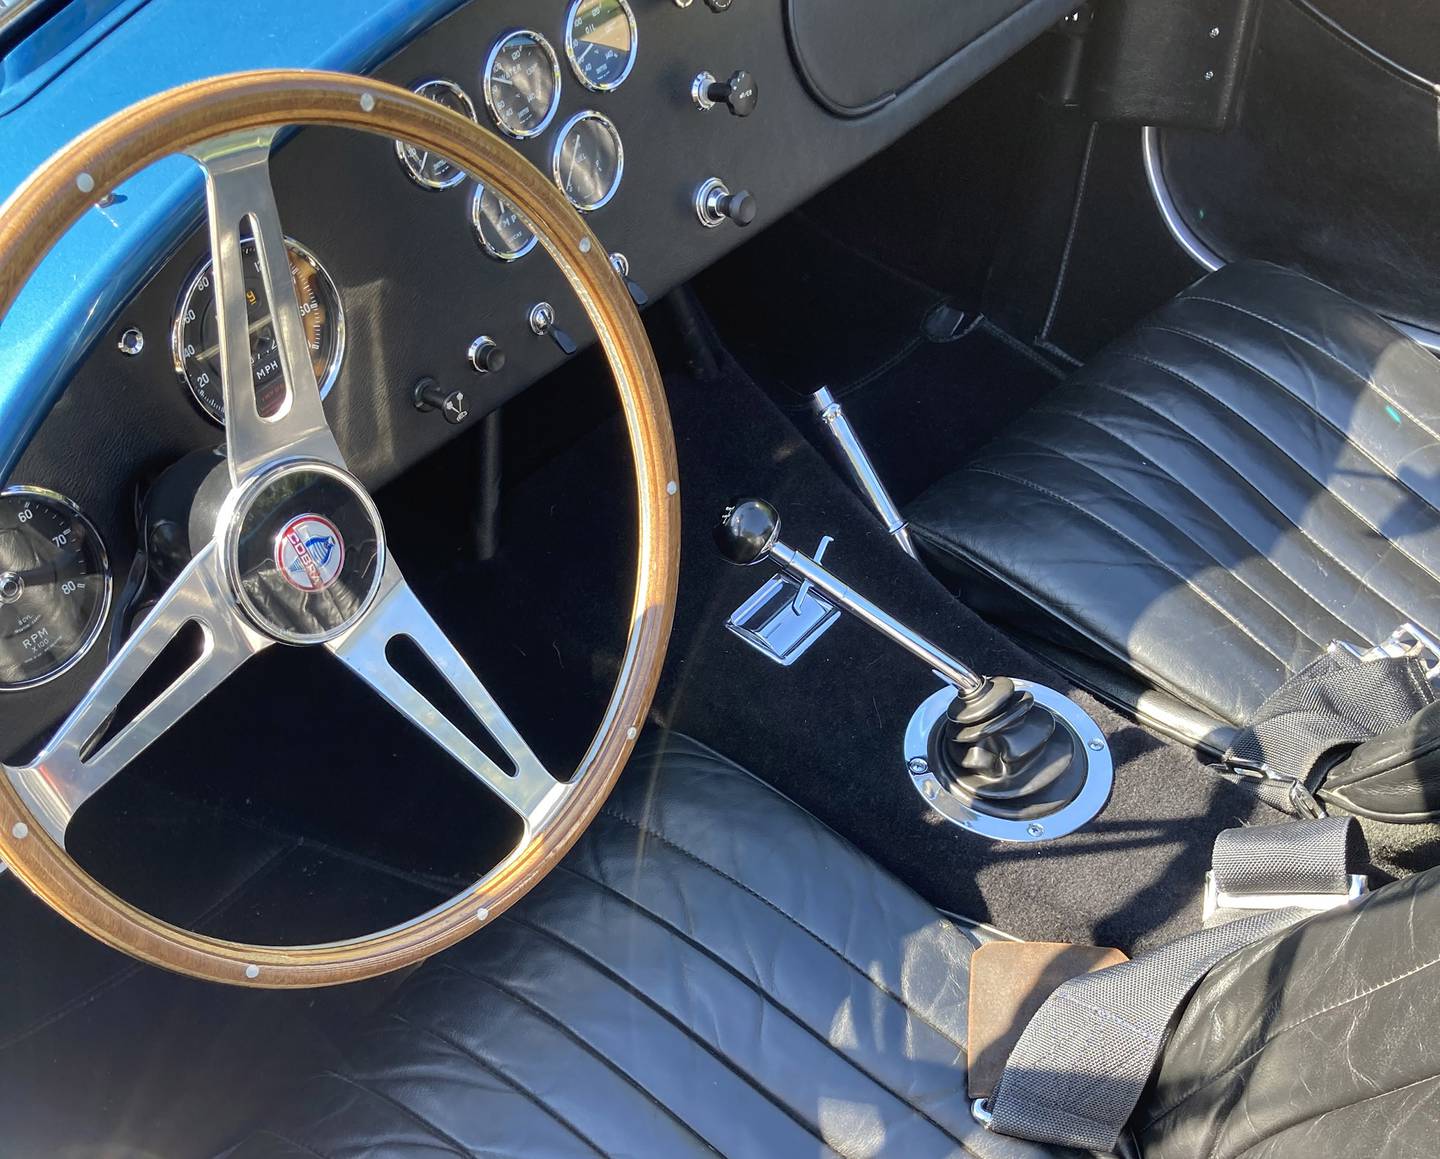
<point x="310" y="553"/>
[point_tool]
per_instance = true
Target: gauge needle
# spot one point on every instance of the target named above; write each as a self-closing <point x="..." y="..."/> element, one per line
<point x="589" y="44"/>
<point x="502" y="78"/>
<point x="570" y="173"/>
<point x="209" y="353"/>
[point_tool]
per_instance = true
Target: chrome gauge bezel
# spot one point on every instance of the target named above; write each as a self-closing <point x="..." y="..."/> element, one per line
<point x="73" y="509"/>
<point x="558" y="148"/>
<point x="476" y="196"/>
<point x="575" y="66"/>
<point x="421" y="89"/>
<point x="177" y="327"/>
<point x="543" y="42"/>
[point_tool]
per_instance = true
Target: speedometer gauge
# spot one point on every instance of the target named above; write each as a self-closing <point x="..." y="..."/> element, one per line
<point x="601" y="39"/>
<point x="54" y="586"/>
<point x="588" y="160"/>
<point x="522" y="83"/>
<point x="195" y="338"/>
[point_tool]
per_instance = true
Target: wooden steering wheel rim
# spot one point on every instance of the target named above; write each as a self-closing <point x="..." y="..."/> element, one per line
<point x="62" y="190"/>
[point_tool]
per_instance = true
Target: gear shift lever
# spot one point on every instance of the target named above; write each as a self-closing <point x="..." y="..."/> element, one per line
<point x="1009" y="758"/>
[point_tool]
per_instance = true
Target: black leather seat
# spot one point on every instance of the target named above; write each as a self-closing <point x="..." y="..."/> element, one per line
<point x="1251" y="473"/>
<point x="713" y="972"/>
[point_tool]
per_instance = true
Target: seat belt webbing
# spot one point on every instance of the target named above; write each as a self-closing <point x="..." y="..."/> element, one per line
<point x="1078" y="1071"/>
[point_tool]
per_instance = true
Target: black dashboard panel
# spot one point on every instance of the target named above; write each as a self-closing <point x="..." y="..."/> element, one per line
<point x="417" y="288"/>
<point x="856" y="58"/>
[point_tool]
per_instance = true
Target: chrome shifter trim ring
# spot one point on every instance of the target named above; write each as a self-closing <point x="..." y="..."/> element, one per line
<point x="1099" y="770"/>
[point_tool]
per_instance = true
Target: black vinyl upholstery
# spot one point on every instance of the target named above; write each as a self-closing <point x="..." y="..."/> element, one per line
<point x="713" y="972"/>
<point x="1251" y="473"/>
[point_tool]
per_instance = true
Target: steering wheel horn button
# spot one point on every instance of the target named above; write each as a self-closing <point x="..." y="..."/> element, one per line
<point x="305" y="552"/>
<point x="310" y="553"/>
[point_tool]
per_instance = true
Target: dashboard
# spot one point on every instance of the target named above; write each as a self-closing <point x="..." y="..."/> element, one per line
<point x="679" y="128"/>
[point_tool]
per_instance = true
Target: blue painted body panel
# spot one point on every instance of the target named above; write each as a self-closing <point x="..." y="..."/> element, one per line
<point x="91" y="272"/>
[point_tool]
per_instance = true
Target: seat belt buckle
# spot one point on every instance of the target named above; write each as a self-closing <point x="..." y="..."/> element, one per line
<point x="1303" y="803"/>
<point x="1408" y="641"/>
<point x="1217" y="900"/>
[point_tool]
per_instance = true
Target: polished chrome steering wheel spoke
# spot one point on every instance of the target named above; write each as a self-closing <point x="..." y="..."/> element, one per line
<point x="242" y="206"/>
<point x="366" y="649"/>
<point x="91" y="747"/>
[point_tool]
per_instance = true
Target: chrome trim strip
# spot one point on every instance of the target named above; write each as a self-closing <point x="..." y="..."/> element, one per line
<point x="1195" y="246"/>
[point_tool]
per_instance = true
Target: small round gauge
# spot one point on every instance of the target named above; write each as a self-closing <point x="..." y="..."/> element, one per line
<point x="588" y="160"/>
<point x="522" y="83"/>
<point x="499" y="228"/>
<point x="426" y="169"/>
<point x="54" y="586"/>
<point x="195" y="338"/>
<point x="601" y="39"/>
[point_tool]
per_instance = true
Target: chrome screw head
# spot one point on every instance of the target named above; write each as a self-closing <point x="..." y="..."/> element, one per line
<point x="1035" y="829"/>
<point x="918" y="766"/>
<point x="1098" y="743"/>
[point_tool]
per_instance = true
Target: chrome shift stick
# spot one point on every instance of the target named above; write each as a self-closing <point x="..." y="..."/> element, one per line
<point x="1005" y="758"/>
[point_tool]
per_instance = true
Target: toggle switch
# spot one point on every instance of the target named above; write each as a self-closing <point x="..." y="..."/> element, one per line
<point x="542" y="324"/>
<point x="740" y="94"/>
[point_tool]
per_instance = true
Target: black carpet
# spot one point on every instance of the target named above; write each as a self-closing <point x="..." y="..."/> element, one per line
<point x="827" y="731"/>
<point x="802" y="309"/>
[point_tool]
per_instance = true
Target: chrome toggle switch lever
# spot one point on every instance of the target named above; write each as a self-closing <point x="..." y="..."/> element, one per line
<point x="1005" y="758"/>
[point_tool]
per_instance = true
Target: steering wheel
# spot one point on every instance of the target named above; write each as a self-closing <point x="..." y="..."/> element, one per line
<point x="298" y="555"/>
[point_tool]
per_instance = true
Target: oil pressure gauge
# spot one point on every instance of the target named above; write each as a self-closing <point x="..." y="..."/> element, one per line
<point x="588" y="160"/>
<point x="54" y="586"/>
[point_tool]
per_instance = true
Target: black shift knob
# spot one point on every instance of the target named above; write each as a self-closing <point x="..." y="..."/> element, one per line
<point x="747" y="531"/>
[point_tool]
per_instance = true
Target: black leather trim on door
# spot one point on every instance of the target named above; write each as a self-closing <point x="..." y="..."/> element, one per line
<point x="1332" y="167"/>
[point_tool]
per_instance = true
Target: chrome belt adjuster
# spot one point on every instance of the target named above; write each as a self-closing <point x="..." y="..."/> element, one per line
<point x="1406" y="641"/>
<point x="1217" y="899"/>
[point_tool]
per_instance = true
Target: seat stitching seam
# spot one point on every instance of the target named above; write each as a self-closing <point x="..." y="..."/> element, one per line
<point x="1289" y="1026"/>
<point x="1162" y="415"/>
<point x="299" y="1146"/>
<point x="1324" y="418"/>
<point x="645" y="1000"/>
<point x="942" y="541"/>
<point x="1310" y="342"/>
<point x="612" y="811"/>
<point x="754" y="986"/>
<point x="552" y="1021"/>
<point x="1261" y="372"/>
<point x="509" y="1080"/>
<point x="1429" y="1078"/>
<point x="1340" y="499"/>
<point x="421" y="1121"/>
<point x="1213" y="510"/>
<point x="1188" y="537"/>
<point x="1057" y="497"/>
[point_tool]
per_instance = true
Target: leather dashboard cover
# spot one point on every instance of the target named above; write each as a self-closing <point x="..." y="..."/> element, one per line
<point x="855" y="57"/>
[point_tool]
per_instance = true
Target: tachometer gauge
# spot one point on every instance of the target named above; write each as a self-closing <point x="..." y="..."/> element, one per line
<point x="54" y="586"/>
<point x="588" y="160"/>
<point x="195" y="338"/>
<point x="601" y="39"/>
<point x="499" y="228"/>
<point x="430" y="170"/>
<point x="522" y="83"/>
